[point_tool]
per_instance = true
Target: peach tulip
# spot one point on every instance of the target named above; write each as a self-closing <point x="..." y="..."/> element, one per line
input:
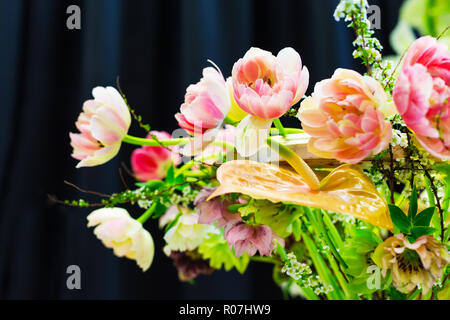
<point x="126" y="236"/>
<point x="152" y="163"/>
<point x="265" y="87"/>
<point x="103" y="125"/>
<point x="422" y="93"/>
<point x="345" y="117"/>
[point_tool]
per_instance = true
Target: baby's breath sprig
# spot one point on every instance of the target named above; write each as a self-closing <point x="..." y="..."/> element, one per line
<point x="303" y="275"/>
<point x="367" y="47"/>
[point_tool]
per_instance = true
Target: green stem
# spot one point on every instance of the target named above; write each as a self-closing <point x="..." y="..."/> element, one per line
<point x="264" y="259"/>
<point x="148" y="213"/>
<point x="196" y="174"/>
<point x="333" y="231"/>
<point x="185" y="167"/>
<point x="279" y="126"/>
<point x="330" y="243"/>
<point x="153" y="143"/>
<point x="275" y="131"/>
<point x="322" y="268"/>
<point x="224" y="145"/>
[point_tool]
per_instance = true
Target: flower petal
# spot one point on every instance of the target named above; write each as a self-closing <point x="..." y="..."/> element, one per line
<point x="251" y="135"/>
<point x="345" y="190"/>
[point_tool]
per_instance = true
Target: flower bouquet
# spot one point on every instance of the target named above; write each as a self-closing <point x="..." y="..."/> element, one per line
<point x="351" y="204"/>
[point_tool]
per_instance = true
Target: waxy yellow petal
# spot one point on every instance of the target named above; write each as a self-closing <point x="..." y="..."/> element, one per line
<point x="345" y="190"/>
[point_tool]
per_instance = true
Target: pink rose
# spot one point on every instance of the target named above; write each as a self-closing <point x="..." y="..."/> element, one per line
<point x="152" y="163"/>
<point x="345" y="119"/>
<point x="266" y="87"/>
<point x="103" y="124"/>
<point x="422" y="93"/>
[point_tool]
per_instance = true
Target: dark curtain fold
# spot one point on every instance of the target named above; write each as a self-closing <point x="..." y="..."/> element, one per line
<point x="157" y="48"/>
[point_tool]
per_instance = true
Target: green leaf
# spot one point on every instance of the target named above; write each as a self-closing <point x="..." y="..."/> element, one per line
<point x="424" y="217"/>
<point x="217" y="250"/>
<point x="399" y="219"/>
<point x="296" y="229"/>
<point x="419" y="231"/>
<point x="159" y="210"/>
<point x="281" y="252"/>
<point x="173" y="222"/>
<point x="151" y="185"/>
<point x="277" y="217"/>
<point x="170" y="177"/>
<point x="179" y="180"/>
<point x="413" y="204"/>
<point x="396" y="295"/>
<point x="235" y="207"/>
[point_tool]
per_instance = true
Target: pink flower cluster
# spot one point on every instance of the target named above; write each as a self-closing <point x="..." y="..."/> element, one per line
<point x="422" y="93"/>
<point x="243" y="237"/>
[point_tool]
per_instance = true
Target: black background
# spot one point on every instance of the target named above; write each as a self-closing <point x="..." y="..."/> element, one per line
<point x="157" y="48"/>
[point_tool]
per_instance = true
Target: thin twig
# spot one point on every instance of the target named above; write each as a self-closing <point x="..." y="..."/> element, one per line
<point x="103" y="195"/>
<point x="364" y="45"/>
<point x="146" y="127"/>
<point x="409" y="158"/>
<point x="54" y="199"/>
<point x="392" y="174"/>
<point x="127" y="170"/>
<point x="122" y="178"/>
<point x="442" y="33"/>
<point x="438" y="202"/>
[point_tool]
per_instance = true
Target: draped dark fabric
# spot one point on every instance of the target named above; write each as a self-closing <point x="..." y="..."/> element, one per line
<point x="157" y="48"/>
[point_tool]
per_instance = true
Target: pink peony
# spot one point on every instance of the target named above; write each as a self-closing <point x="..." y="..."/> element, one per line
<point x="422" y="93"/>
<point x="103" y="124"/>
<point x="266" y="87"/>
<point x="152" y="163"/>
<point x="205" y="106"/>
<point x="345" y="117"/>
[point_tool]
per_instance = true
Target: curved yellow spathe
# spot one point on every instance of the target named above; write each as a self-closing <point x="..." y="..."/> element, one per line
<point x="345" y="190"/>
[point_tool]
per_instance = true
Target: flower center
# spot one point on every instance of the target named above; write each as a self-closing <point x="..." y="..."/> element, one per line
<point x="409" y="261"/>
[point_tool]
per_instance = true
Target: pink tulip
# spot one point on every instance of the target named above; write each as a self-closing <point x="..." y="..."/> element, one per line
<point x="205" y="106"/>
<point x="345" y="117"/>
<point x="103" y="124"/>
<point x="265" y="87"/>
<point x="152" y="163"/>
<point x="126" y="236"/>
<point x="422" y="93"/>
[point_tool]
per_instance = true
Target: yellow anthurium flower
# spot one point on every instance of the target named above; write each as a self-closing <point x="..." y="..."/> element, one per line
<point x="345" y="190"/>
